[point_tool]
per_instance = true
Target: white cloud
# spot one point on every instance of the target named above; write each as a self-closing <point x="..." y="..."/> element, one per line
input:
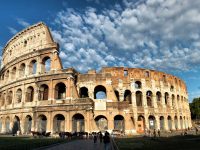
<point x="12" y="30"/>
<point x="156" y="34"/>
<point x="22" y="22"/>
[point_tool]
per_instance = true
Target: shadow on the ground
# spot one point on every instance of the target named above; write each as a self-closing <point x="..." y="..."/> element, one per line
<point x="189" y="142"/>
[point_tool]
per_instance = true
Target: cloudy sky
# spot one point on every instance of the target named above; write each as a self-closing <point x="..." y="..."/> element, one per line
<point x="155" y="34"/>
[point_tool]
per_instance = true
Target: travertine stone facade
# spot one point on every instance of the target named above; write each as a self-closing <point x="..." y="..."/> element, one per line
<point x="37" y="94"/>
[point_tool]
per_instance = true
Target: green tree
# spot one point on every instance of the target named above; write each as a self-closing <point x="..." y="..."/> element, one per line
<point x="195" y="108"/>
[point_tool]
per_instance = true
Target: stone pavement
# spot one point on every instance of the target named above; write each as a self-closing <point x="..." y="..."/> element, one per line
<point x="78" y="145"/>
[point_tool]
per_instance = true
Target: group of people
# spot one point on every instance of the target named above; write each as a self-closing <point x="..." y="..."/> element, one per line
<point x="102" y="138"/>
<point x="152" y="133"/>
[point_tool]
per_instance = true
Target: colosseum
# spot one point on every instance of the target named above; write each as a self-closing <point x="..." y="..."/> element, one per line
<point x="38" y="94"/>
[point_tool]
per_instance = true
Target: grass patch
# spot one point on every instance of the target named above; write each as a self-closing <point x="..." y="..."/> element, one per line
<point x="163" y="143"/>
<point x="26" y="143"/>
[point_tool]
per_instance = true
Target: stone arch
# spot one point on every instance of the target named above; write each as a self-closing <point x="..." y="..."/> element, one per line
<point x="141" y="124"/>
<point x="16" y="125"/>
<point x="46" y="64"/>
<point x="22" y="70"/>
<point x="181" y="122"/>
<point x="43" y="92"/>
<point x="83" y="92"/>
<point x="9" y="97"/>
<point x="119" y="123"/>
<point x="166" y="98"/>
<point x="178" y="101"/>
<point x="169" y="121"/>
<point x="138" y="85"/>
<point x="18" y="95"/>
<point x="173" y="100"/>
<point x="13" y="73"/>
<point x="100" y="92"/>
<point x="41" y="123"/>
<point x="58" y="123"/>
<point x="30" y="94"/>
<point x="138" y="98"/>
<point x="101" y="122"/>
<point x="176" y="122"/>
<point x="27" y="124"/>
<point x="158" y="96"/>
<point x="152" y="122"/>
<point x="33" y="67"/>
<point x="149" y="96"/>
<point x="162" y="123"/>
<point x="127" y="96"/>
<point x="60" y="91"/>
<point x="117" y="95"/>
<point x="7" y="121"/>
<point x="78" y="123"/>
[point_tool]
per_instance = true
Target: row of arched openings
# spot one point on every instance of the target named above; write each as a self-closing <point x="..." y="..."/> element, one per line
<point x="153" y="124"/>
<point x="32" y="68"/>
<point x="60" y="93"/>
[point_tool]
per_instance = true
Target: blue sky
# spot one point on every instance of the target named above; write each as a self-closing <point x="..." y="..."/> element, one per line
<point x="156" y="34"/>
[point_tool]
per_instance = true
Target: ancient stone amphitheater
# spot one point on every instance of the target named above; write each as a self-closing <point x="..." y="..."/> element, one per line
<point x="38" y="94"/>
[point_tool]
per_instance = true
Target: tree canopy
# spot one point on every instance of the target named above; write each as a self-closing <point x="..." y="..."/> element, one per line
<point x="195" y="108"/>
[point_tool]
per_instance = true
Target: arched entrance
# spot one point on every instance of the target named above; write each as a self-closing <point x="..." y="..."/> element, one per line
<point x="43" y="92"/>
<point x="119" y="123"/>
<point x="152" y="122"/>
<point x="83" y="92"/>
<point x="140" y="124"/>
<point x="100" y="92"/>
<point x="27" y="124"/>
<point x="58" y="123"/>
<point x="149" y="96"/>
<point x="138" y="98"/>
<point x="169" y="119"/>
<point x="127" y="96"/>
<point x="181" y="122"/>
<point x="7" y="124"/>
<point x="162" y="123"/>
<point x="101" y="122"/>
<point x="78" y="123"/>
<point x="60" y="91"/>
<point x="176" y="122"/>
<point x="16" y="125"/>
<point x="42" y="123"/>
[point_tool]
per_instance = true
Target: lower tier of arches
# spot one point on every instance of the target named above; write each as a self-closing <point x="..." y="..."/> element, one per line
<point x="90" y="121"/>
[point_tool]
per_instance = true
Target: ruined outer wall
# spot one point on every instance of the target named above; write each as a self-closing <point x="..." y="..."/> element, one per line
<point x="34" y="45"/>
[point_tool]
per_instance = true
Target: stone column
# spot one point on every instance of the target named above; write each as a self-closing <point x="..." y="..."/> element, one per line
<point x="39" y="66"/>
<point x="144" y="99"/>
<point x="49" y="123"/>
<point x="154" y="101"/>
<point x="146" y="122"/>
<point x="133" y="98"/>
<point x="157" y="122"/>
<point x="165" y="123"/>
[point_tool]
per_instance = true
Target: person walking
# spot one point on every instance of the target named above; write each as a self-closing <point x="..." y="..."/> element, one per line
<point x="95" y="137"/>
<point x="158" y="133"/>
<point x="106" y="140"/>
<point x="100" y="137"/>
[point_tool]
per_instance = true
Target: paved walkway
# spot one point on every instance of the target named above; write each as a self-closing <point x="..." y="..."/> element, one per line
<point x="78" y="145"/>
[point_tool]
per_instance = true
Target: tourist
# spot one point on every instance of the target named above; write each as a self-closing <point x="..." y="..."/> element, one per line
<point x="100" y="137"/>
<point x="154" y="133"/>
<point x="95" y="137"/>
<point x="196" y="129"/>
<point x="158" y="133"/>
<point x="106" y="140"/>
